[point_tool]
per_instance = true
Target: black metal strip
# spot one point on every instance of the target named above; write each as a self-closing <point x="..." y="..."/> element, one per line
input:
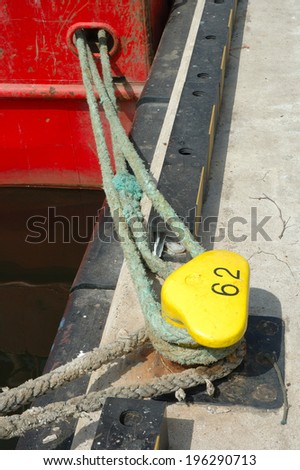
<point x="185" y="172"/>
<point x="129" y="424"/>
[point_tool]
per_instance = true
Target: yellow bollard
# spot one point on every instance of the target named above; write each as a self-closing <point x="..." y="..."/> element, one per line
<point x="209" y="297"/>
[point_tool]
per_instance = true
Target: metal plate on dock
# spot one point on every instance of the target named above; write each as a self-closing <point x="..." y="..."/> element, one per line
<point x="131" y="424"/>
<point x="255" y="382"/>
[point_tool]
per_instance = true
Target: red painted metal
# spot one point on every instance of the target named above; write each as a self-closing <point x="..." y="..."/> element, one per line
<point x="124" y="91"/>
<point x="46" y="136"/>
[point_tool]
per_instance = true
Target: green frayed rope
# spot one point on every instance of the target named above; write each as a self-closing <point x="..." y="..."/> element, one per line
<point x="128" y="188"/>
<point x="123" y="193"/>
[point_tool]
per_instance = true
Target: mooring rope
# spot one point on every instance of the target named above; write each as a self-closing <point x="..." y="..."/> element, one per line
<point x="130" y="192"/>
<point x="167" y="335"/>
<point x="12" y="399"/>
<point x="16" y="425"/>
<point x="118" y="133"/>
<point x="123" y="192"/>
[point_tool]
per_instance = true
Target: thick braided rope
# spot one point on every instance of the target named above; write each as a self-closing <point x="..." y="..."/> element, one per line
<point x="130" y="196"/>
<point x="138" y="273"/>
<point x="189" y="355"/>
<point x="150" y="306"/>
<point x="16" y="425"/>
<point x="108" y="82"/>
<point x="125" y="183"/>
<point x="11" y="400"/>
<point x="144" y="178"/>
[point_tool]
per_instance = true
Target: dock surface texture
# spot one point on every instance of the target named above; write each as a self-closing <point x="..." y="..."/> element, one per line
<point x="252" y="201"/>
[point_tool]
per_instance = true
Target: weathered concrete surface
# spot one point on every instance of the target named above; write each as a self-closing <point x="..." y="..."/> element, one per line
<point x="256" y="165"/>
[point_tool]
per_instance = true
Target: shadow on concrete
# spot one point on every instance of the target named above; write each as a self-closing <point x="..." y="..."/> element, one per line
<point x="183" y="428"/>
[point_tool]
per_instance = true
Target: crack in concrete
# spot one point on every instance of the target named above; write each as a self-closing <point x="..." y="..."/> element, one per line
<point x="263" y="178"/>
<point x="283" y="221"/>
<point x="272" y="254"/>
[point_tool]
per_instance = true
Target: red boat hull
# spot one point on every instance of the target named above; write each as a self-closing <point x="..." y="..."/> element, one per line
<point x="46" y="137"/>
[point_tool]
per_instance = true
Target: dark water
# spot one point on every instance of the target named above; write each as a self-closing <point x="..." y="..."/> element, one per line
<point x="44" y="234"/>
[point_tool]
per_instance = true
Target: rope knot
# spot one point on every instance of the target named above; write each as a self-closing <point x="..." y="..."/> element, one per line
<point x="131" y="193"/>
<point x="128" y="183"/>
